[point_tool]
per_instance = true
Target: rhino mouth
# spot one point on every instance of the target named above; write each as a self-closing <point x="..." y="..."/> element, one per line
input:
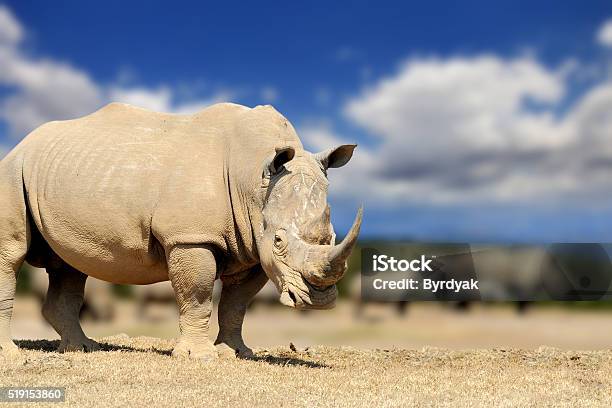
<point x="300" y="294"/>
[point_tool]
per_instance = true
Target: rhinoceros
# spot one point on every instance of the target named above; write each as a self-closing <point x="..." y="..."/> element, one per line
<point x="131" y="196"/>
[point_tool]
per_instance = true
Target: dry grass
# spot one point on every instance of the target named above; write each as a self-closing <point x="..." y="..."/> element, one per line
<point x="139" y="372"/>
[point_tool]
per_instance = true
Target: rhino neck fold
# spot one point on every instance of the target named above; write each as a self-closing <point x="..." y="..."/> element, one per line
<point x="242" y="241"/>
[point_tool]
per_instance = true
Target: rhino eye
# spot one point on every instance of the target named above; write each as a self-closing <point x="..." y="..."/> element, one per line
<point x="280" y="239"/>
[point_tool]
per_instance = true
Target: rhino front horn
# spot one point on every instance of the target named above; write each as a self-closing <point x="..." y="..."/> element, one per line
<point x="340" y="253"/>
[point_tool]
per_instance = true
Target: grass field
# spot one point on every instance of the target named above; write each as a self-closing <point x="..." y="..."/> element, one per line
<point x="135" y="372"/>
<point x="432" y="356"/>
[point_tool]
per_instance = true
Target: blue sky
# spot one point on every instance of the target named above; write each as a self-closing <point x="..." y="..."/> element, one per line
<point x="296" y="47"/>
<point x="476" y="120"/>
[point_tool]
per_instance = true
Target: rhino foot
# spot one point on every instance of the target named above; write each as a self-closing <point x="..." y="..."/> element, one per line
<point x="83" y="344"/>
<point x="10" y="354"/>
<point x="234" y="350"/>
<point x="202" y="352"/>
<point x="9" y="349"/>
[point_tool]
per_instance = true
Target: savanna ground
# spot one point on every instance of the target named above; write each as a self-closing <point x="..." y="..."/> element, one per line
<point x="432" y="356"/>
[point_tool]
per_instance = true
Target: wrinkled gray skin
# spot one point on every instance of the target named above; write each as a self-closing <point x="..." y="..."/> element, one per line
<point x="132" y="196"/>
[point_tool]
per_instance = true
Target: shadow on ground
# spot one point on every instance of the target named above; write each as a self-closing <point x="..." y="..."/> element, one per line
<point x="279" y="359"/>
<point x="283" y="360"/>
<point x="52" y="345"/>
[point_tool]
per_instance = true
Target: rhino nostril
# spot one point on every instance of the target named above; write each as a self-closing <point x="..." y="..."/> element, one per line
<point x="293" y="298"/>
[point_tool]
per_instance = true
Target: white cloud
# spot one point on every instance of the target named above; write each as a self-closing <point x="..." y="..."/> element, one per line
<point x="159" y="100"/>
<point x="319" y="136"/>
<point x="44" y="89"/>
<point x="477" y="130"/>
<point x="10" y="30"/>
<point x="477" y="96"/>
<point x="162" y="99"/>
<point x="604" y="35"/>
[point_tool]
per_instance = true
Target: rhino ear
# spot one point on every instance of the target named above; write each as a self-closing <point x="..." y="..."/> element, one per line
<point x="336" y="156"/>
<point x="275" y="163"/>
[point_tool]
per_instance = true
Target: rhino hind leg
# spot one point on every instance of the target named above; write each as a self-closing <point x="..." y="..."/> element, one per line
<point x="192" y="270"/>
<point x="235" y="298"/>
<point x="62" y="306"/>
<point x="14" y="242"/>
<point x="9" y="267"/>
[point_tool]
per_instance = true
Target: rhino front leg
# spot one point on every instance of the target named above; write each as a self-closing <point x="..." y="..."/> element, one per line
<point x="235" y="297"/>
<point x="192" y="270"/>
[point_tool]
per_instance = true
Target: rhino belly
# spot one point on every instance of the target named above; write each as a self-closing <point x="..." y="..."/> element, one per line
<point x="117" y="252"/>
<point x="108" y="260"/>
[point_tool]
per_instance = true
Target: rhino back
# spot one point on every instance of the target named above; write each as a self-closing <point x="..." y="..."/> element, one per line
<point x="95" y="183"/>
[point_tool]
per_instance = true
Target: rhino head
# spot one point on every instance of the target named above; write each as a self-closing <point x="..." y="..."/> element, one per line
<point x="297" y="246"/>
